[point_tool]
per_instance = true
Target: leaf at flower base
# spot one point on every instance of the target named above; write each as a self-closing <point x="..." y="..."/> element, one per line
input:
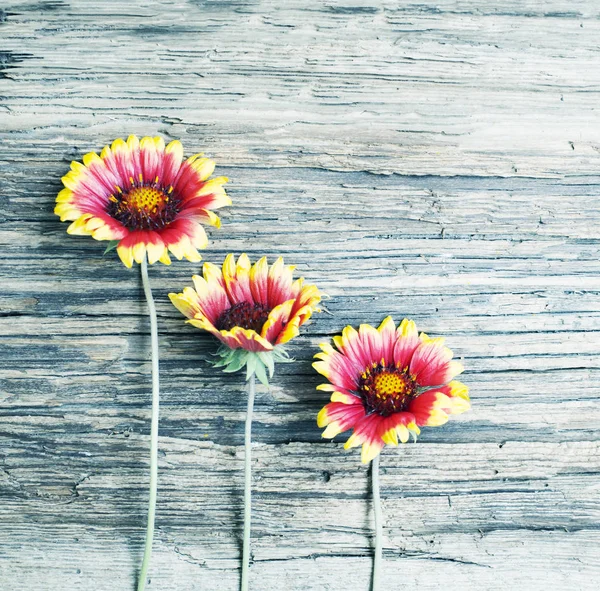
<point x="251" y="364"/>
<point x="281" y="355"/>
<point x="259" y="363"/>
<point x="268" y="361"/>
<point x="225" y="355"/>
<point x="238" y="361"/>
<point x="222" y="362"/>
<point x="111" y="246"/>
<point x="261" y="373"/>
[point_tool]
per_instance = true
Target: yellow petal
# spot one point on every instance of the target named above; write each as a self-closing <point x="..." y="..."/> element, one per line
<point x="155" y="252"/>
<point x="459" y="389"/>
<point x="332" y="430"/>
<point x="458" y="405"/>
<point x="390" y="437"/>
<point x="407" y="328"/>
<point x="412" y="427"/>
<point x="64" y="196"/>
<point x="71" y="179"/>
<point x="133" y="143"/>
<point x="353" y="441"/>
<point x="147" y="143"/>
<point x="212" y="218"/>
<point x="344" y="398"/>
<point x="326" y="387"/>
<point x="193" y="158"/>
<point x="77" y="167"/>
<point x="436" y="418"/>
<point x="212" y="273"/>
<point x="93" y="224"/>
<point x="126" y="255"/>
<point x="180" y="247"/>
<point x="77" y="228"/>
<point x="139" y="252"/>
<point x="387" y="323"/>
<point x="67" y="212"/>
<point x="339" y="342"/>
<point x="175" y="148"/>
<point x="159" y="144"/>
<point x="204" y="167"/>
<point x="192" y="255"/>
<point x="322" y="419"/>
<point x="229" y="267"/>
<point x="104" y="232"/>
<point x="213" y="186"/>
<point x="243" y="263"/>
<point x="403" y="433"/>
<point x="92" y="157"/>
<point x="369" y="452"/>
<point x="119" y="145"/>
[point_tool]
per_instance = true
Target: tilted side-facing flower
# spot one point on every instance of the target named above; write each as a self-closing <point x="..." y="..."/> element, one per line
<point x="386" y="383"/>
<point x="144" y="198"/>
<point x="254" y="310"/>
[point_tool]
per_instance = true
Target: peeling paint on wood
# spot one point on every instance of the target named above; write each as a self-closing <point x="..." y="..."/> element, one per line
<point x="438" y="160"/>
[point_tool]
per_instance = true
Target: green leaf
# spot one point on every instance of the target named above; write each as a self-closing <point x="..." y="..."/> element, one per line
<point x="268" y="361"/>
<point x="240" y="357"/>
<point x="111" y="246"/>
<point x="251" y="364"/>
<point x="281" y="355"/>
<point x="226" y="356"/>
<point x="261" y="374"/>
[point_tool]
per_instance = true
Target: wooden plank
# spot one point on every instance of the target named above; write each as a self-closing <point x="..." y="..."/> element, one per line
<point x="435" y="160"/>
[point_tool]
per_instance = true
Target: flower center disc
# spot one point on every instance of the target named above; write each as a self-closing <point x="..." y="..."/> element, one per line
<point x="389" y="384"/>
<point x="148" y="198"/>
<point x="143" y="207"/>
<point x="246" y="315"/>
<point x="386" y="390"/>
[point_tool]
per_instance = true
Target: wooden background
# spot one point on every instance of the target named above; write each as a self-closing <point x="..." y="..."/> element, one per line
<point x="438" y="160"/>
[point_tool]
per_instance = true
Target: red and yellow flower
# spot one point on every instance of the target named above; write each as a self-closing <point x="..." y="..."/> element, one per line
<point x="386" y="383"/>
<point x="252" y="309"/>
<point x="142" y="194"/>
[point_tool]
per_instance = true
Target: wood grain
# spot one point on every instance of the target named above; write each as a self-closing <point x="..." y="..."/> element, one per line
<point x="438" y="160"/>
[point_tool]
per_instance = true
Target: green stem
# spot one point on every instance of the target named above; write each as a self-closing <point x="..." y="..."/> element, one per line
<point x="153" y="429"/>
<point x="247" y="485"/>
<point x="378" y="524"/>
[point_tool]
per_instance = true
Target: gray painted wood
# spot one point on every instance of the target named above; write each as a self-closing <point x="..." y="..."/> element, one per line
<point x="438" y="160"/>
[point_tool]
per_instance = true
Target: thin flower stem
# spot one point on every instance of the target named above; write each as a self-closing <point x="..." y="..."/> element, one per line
<point x="247" y="485"/>
<point x="153" y="429"/>
<point x="378" y="524"/>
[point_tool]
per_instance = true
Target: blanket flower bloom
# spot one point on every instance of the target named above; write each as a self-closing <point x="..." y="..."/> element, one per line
<point x="144" y="198"/>
<point x="386" y="383"/>
<point x="252" y="309"/>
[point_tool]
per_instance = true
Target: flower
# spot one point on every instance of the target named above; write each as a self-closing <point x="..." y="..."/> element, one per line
<point x="252" y="309"/>
<point x="140" y="194"/>
<point x="386" y="383"/>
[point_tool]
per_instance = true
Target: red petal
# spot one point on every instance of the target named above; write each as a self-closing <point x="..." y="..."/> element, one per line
<point x="346" y="415"/>
<point x="432" y="365"/>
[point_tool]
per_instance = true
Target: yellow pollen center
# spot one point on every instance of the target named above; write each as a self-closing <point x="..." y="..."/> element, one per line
<point x="147" y="198"/>
<point x="389" y="383"/>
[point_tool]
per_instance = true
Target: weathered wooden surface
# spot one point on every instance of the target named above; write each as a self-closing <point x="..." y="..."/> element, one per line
<point x="438" y="160"/>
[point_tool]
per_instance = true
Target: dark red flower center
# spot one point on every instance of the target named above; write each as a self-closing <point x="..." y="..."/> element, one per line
<point x="246" y="315"/>
<point x="386" y="389"/>
<point x="144" y="206"/>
